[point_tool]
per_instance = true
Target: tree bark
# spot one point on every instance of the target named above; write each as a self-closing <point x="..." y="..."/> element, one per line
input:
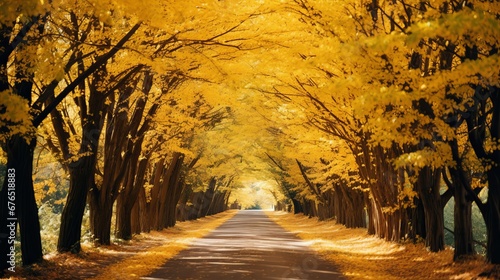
<point x="173" y="191"/>
<point x="128" y="199"/>
<point x="153" y="205"/>
<point x="100" y="220"/>
<point x="208" y="197"/>
<point x="427" y="187"/>
<point x="196" y="204"/>
<point x="493" y="220"/>
<point x="493" y="243"/>
<point x="464" y="240"/>
<point x="385" y="211"/>
<point x="351" y="206"/>
<point x="81" y="175"/>
<point x="297" y="206"/>
<point x="20" y="163"/>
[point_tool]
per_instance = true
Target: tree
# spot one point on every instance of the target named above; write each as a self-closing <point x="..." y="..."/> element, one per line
<point x="18" y="142"/>
<point x="19" y="145"/>
<point x="450" y="66"/>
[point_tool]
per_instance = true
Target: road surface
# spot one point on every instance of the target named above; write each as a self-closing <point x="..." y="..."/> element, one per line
<point x="247" y="246"/>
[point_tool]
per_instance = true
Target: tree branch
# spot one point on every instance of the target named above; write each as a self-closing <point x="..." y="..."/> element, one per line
<point x="102" y="60"/>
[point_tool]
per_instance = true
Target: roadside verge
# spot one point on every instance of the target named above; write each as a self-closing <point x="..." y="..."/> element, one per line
<point x="362" y="256"/>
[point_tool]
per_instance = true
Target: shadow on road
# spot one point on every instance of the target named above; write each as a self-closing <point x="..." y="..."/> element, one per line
<point x="248" y="246"/>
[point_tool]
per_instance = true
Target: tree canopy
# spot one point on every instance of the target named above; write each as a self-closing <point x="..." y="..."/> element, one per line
<point x="375" y="113"/>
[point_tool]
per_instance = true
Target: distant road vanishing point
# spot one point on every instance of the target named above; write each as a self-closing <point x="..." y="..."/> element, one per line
<point x="248" y="246"/>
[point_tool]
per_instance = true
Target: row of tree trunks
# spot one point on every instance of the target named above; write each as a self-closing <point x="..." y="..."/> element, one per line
<point x="208" y="197"/>
<point x="280" y="206"/>
<point x="394" y="219"/>
<point x="325" y="209"/>
<point x="309" y="207"/>
<point x="193" y="207"/>
<point x="342" y="202"/>
<point x="170" y="193"/>
<point x="349" y="206"/>
<point x="164" y="181"/>
<point x="117" y="158"/>
<point x="167" y="200"/>
<point x="127" y="200"/>
<point x="385" y="212"/>
<point x="390" y="216"/>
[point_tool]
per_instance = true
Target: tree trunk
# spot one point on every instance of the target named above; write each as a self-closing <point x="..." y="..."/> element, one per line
<point x="143" y="205"/>
<point x="195" y="208"/>
<point x="22" y="197"/>
<point x="297" y="207"/>
<point x="128" y="198"/>
<point x="306" y="207"/>
<point x="370" y="214"/>
<point x="478" y="122"/>
<point x="135" y="218"/>
<point x="168" y="185"/>
<point x="325" y="210"/>
<point x="416" y="226"/>
<point x="464" y="240"/>
<point x="81" y="175"/>
<point x="493" y="220"/>
<point x="337" y="205"/>
<point x="173" y="191"/>
<point x="183" y="207"/>
<point x="493" y="207"/>
<point x="427" y="187"/>
<point x="101" y="213"/>
<point x="153" y="205"/>
<point x="208" y="197"/>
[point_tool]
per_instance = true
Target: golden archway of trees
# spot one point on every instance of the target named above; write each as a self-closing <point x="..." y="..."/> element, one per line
<point x="375" y="113"/>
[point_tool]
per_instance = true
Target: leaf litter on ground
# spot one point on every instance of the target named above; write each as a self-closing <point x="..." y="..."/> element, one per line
<point x="363" y="256"/>
<point x="125" y="259"/>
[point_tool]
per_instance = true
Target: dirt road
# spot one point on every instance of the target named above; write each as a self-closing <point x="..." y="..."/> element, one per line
<point x="248" y="246"/>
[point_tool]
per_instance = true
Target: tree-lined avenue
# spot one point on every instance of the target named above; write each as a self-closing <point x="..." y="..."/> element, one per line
<point x="123" y="117"/>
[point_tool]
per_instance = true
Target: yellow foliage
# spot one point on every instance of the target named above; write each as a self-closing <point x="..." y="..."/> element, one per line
<point x="44" y="188"/>
<point x="14" y="116"/>
<point x="435" y="158"/>
<point x="12" y="10"/>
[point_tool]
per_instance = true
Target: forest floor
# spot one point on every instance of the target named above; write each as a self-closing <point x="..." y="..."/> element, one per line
<point x="357" y="254"/>
<point x="362" y="256"/>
